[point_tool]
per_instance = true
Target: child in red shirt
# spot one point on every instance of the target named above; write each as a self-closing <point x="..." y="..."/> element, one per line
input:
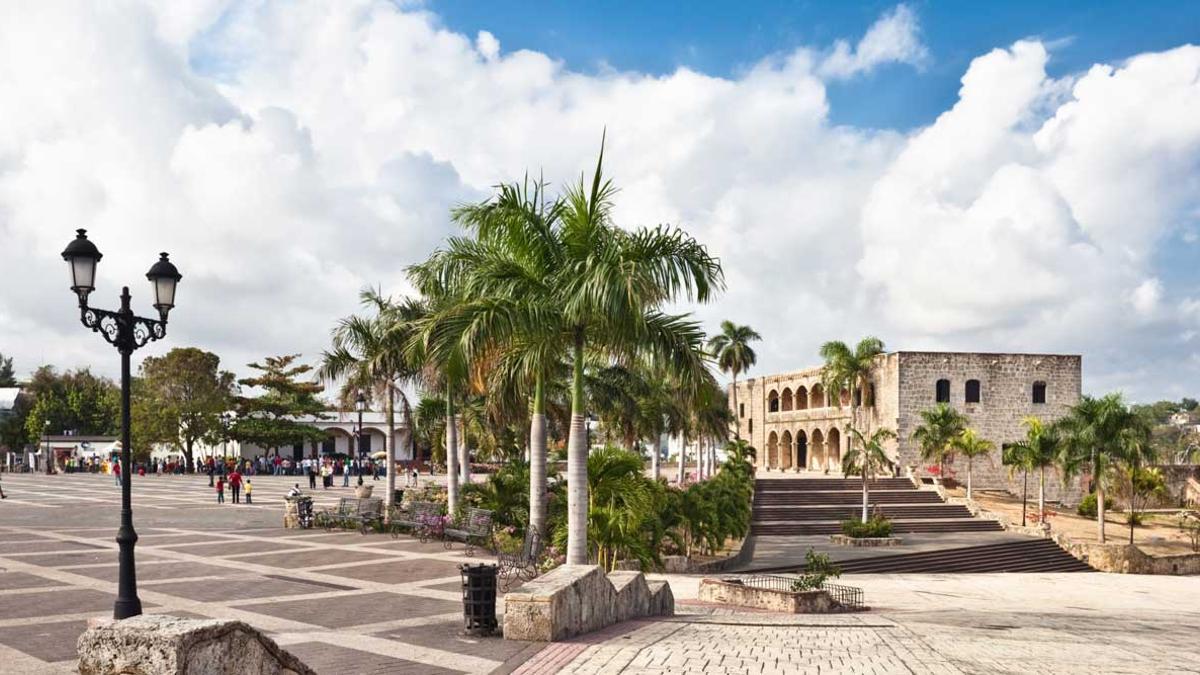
<point x="221" y="490"/>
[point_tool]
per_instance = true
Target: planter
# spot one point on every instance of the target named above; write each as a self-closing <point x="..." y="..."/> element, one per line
<point x="843" y="540"/>
<point x="734" y="592"/>
<point x="363" y="491"/>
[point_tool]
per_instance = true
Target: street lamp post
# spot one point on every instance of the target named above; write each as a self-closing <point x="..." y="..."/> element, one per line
<point x="127" y="332"/>
<point x="360" y="404"/>
<point x="46" y="439"/>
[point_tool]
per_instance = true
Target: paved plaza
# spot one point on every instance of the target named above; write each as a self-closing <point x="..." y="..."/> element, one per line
<point x="348" y="603"/>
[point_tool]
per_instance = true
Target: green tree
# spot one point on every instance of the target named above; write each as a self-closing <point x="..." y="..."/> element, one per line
<point x="270" y="419"/>
<point x="1041" y="449"/>
<point x="179" y="400"/>
<point x="75" y="400"/>
<point x="935" y="435"/>
<point x="849" y="370"/>
<point x="1097" y="434"/>
<point x="734" y="355"/>
<point x="8" y="377"/>
<point x="1139" y="486"/>
<point x="370" y="353"/>
<point x="867" y="458"/>
<point x="970" y="445"/>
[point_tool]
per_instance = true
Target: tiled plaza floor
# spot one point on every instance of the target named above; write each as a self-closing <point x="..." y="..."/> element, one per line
<point x="344" y="602"/>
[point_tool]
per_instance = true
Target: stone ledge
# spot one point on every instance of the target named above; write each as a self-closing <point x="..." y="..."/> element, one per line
<point x="571" y="600"/>
<point x="864" y="542"/>
<point x="729" y="592"/>
<point x="167" y="645"/>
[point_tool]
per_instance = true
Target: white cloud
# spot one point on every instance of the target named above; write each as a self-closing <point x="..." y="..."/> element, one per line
<point x="894" y="38"/>
<point x="288" y="154"/>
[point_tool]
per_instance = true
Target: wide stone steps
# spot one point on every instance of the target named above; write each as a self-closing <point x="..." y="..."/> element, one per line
<point x="839" y="513"/>
<point x="825" y="484"/>
<point x="898" y="527"/>
<point x="832" y="498"/>
<point x="1031" y="555"/>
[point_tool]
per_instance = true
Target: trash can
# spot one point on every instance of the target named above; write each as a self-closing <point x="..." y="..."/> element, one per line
<point x="479" y="599"/>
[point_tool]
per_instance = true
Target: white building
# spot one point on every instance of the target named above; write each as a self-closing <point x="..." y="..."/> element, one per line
<point x="340" y="428"/>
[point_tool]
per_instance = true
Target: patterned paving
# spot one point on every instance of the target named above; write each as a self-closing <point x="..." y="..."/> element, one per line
<point x="344" y="602"/>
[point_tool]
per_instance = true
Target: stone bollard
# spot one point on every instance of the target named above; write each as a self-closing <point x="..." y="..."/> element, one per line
<point x="167" y="645"/>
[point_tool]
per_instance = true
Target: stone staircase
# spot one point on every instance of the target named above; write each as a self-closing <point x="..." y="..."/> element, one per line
<point x="803" y="506"/>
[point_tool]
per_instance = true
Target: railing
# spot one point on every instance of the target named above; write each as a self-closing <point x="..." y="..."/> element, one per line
<point x="847" y="598"/>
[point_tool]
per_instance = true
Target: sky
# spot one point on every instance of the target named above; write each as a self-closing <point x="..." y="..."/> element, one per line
<point x="984" y="177"/>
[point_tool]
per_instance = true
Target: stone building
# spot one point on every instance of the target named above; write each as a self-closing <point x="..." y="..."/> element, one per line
<point x="796" y="425"/>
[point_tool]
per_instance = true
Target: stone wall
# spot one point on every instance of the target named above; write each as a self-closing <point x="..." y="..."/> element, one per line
<point x="729" y="592"/>
<point x="572" y="600"/>
<point x="166" y="645"/>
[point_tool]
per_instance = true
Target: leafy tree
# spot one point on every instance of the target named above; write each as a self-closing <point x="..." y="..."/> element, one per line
<point x="1188" y="404"/>
<point x="849" y="370"/>
<point x="867" y="458"/>
<point x="935" y="435"/>
<point x="970" y="445"/>
<point x="734" y="355"/>
<point x="1139" y="486"/>
<point x="1042" y="448"/>
<point x="1019" y="457"/>
<point x="8" y="377"/>
<point x="1098" y="433"/>
<point x="270" y="420"/>
<point x="179" y="400"/>
<point x="75" y="400"/>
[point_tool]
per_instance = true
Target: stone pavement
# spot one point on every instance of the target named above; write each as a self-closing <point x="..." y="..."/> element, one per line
<point x="347" y="603"/>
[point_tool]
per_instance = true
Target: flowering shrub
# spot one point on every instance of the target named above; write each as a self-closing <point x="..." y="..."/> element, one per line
<point x="551" y="557"/>
<point x="876" y="526"/>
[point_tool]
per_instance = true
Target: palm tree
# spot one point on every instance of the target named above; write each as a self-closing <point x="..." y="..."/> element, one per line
<point x="731" y="347"/>
<point x="1019" y="457"/>
<point x="935" y="435"/>
<point x="1042" y="448"/>
<point x="849" y="369"/>
<point x="369" y="353"/>
<point x="1098" y="433"/>
<point x="971" y="445"/>
<point x="868" y="459"/>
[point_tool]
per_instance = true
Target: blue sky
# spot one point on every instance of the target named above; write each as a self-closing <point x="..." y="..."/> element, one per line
<point x="721" y="38"/>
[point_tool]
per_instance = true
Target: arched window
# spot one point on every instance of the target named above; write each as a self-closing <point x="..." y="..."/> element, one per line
<point x="816" y="397"/>
<point x="972" y="391"/>
<point x="870" y="397"/>
<point x="942" y="391"/>
<point x="787" y="399"/>
<point x="1039" y="392"/>
<point x="801" y="399"/>
<point x="773" y="401"/>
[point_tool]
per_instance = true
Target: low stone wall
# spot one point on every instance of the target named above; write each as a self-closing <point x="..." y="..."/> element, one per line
<point x="864" y="542"/>
<point x="790" y="602"/>
<point x="572" y="600"/>
<point x="166" y="645"/>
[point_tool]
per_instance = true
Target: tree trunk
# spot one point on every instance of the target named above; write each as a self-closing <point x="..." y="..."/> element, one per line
<point x="389" y="446"/>
<point x="451" y="455"/>
<point x="537" y="462"/>
<point x="1042" y="495"/>
<point x="737" y="413"/>
<point x="682" y="459"/>
<point x="1024" y="493"/>
<point x="866" y="495"/>
<point x="657" y="453"/>
<point x="464" y="455"/>
<point x="1099" y="510"/>
<point x="577" y="473"/>
<point x="1132" y="507"/>
<point x="189" y="464"/>
<point x="970" y="461"/>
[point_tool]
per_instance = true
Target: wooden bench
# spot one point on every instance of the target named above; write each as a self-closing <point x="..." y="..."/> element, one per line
<point x="475" y="530"/>
<point x="521" y="565"/>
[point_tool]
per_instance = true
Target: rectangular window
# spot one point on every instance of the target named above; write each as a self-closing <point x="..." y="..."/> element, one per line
<point x="1039" y="392"/>
<point x="741" y="410"/>
<point x="942" y="391"/>
<point x="972" y="391"/>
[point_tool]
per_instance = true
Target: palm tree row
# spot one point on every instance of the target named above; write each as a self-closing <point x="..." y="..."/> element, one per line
<point x="545" y="302"/>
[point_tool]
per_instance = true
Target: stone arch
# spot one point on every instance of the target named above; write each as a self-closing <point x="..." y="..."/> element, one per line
<point x="844" y="397"/>
<point x="816" y="397"/>
<point x="801" y="399"/>
<point x="833" y="449"/>
<point x="773" y="401"/>
<point x="818" y="449"/>
<point x="785" y="450"/>
<point x="786" y="400"/>
<point x="772" y="451"/>
<point x="801" y="450"/>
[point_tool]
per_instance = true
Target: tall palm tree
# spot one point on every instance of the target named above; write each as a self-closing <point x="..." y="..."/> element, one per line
<point x="1019" y="457"/>
<point x="850" y="370"/>
<point x="935" y="435"/>
<point x="734" y="355"/>
<point x="369" y="353"/>
<point x="1098" y="433"/>
<point x="1041" y="449"/>
<point x="971" y="445"/>
<point x="868" y="459"/>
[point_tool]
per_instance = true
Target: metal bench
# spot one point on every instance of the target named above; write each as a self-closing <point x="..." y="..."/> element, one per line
<point x="331" y="519"/>
<point x="521" y="565"/>
<point x="424" y="518"/>
<point x="370" y="512"/>
<point x="476" y="530"/>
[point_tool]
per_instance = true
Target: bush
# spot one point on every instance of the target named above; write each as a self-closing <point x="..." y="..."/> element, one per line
<point x="1087" y="507"/>
<point x="875" y="527"/>
<point x="817" y="568"/>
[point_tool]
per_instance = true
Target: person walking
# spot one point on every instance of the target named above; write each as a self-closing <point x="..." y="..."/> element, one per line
<point x="116" y="470"/>
<point x="2" y="495"/>
<point x="249" y="489"/>
<point x="235" y="485"/>
<point x="312" y="475"/>
<point x="221" y="489"/>
<point x="345" y="474"/>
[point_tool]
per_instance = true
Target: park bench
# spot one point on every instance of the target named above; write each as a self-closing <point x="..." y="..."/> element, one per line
<point x="370" y="512"/>
<point x="423" y="517"/>
<point x="520" y="565"/>
<point x="475" y="530"/>
<point x="346" y="511"/>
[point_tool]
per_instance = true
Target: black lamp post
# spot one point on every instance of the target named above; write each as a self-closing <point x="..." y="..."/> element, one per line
<point x="127" y="332"/>
<point x="360" y="404"/>
<point x="46" y="438"/>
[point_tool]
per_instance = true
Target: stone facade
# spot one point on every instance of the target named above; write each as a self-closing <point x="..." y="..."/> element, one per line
<point x="572" y="600"/>
<point x="796" y="425"/>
